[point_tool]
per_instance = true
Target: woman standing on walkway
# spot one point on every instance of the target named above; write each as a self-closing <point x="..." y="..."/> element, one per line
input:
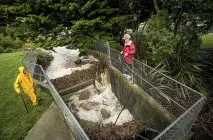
<point x="129" y="49"/>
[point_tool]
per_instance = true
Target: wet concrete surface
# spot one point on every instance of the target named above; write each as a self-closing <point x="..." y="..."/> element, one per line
<point x="50" y="126"/>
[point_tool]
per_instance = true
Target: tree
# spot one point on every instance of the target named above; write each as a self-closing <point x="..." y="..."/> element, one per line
<point x="160" y="37"/>
<point x="99" y="21"/>
<point x="174" y="37"/>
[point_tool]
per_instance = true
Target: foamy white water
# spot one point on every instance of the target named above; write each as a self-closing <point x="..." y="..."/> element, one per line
<point x="63" y="62"/>
<point x="97" y="101"/>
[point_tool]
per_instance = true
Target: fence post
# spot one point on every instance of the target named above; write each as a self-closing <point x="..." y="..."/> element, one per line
<point x="109" y="55"/>
<point x="132" y="71"/>
<point x="39" y="76"/>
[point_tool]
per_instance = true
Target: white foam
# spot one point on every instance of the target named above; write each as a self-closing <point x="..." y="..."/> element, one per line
<point x="107" y="100"/>
<point x="61" y="57"/>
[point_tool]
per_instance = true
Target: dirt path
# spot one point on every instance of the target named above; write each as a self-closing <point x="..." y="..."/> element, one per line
<point x="50" y="127"/>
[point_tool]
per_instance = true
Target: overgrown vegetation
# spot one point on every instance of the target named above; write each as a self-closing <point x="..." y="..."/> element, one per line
<point x="48" y="21"/>
<point x="7" y="43"/>
<point x="43" y="58"/>
<point x="160" y="37"/>
<point x="173" y="36"/>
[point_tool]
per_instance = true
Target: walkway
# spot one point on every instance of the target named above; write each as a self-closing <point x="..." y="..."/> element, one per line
<point x="50" y="126"/>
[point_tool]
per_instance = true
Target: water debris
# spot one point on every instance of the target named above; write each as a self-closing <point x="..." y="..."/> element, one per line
<point x="126" y="131"/>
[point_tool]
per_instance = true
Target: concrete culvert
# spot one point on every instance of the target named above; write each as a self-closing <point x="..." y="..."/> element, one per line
<point x="101" y="114"/>
<point x="106" y="104"/>
<point x="109" y="101"/>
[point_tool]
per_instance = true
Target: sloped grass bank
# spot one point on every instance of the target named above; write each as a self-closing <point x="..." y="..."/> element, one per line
<point x="14" y="121"/>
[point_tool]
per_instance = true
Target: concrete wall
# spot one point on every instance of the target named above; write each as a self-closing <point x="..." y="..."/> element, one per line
<point x="142" y="106"/>
<point x="138" y="102"/>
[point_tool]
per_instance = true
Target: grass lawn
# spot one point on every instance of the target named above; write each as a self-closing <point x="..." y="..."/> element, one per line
<point x="207" y="40"/>
<point x="14" y="121"/>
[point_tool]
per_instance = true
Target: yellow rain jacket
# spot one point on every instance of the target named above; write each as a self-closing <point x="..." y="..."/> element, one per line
<point x="28" y="85"/>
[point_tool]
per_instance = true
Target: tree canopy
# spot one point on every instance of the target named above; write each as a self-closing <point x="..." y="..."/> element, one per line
<point x="102" y="19"/>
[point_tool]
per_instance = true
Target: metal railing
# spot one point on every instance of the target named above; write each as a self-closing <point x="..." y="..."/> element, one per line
<point x="38" y="73"/>
<point x="179" y="100"/>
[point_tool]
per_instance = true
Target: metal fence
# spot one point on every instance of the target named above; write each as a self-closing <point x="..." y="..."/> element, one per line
<point x="38" y="73"/>
<point x="179" y="100"/>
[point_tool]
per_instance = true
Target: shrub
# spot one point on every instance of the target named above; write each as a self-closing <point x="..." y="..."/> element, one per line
<point x="177" y="52"/>
<point x="160" y="37"/>
<point x="7" y="44"/>
<point x="44" y="58"/>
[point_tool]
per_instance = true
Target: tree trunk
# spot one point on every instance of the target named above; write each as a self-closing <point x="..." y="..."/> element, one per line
<point x="156" y="5"/>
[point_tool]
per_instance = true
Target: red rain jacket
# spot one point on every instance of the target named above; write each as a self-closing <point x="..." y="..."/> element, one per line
<point x="130" y="49"/>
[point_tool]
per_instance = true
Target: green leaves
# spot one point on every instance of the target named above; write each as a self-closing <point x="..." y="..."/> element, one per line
<point x="94" y="18"/>
<point x="36" y="20"/>
<point x="88" y="6"/>
<point x="184" y="68"/>
<point x="7" y="44"/>
<point x="174" y="38"/>
<point x="159" y="37"/>
<point x="98" y="20"/>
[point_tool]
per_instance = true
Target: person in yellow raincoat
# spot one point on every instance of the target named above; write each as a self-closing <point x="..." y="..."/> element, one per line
<point x="28" y="85"/>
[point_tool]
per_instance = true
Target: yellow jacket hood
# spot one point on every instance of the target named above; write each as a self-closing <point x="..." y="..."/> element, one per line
<point x="25" y="80"/>
<point x="21" y="70"/>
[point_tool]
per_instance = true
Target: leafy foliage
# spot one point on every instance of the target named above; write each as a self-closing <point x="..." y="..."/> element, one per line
<point x="184" y="68"/>
<point x="160" y="38"/>
<point x="44" y="58"/>
<point x="7" y="44"/>
<point x="176" y="44"/>
<point x="99" y="21"/>
<point x="21" y="31"/>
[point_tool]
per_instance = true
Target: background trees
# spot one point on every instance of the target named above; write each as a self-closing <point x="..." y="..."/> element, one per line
<point x="100" y="19"/>
<point x="172" y="32"/>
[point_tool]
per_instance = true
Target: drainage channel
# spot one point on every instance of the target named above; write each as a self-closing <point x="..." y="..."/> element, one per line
<point x="98" y="110"/>
<point x="88" y="106"/>
<point x="94" y="105"/>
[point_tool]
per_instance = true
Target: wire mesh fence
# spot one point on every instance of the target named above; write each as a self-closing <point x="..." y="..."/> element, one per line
<point x="179" y="100"/>
<point x="30" y="59"/>
<point x="38" y="73"/>
<point x="100" y="47"/>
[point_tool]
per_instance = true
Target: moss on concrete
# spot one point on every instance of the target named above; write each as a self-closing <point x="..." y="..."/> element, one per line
<point x="138" y="102"/>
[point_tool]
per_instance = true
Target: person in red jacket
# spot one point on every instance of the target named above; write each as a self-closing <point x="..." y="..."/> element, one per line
<point x="129" y="49"/>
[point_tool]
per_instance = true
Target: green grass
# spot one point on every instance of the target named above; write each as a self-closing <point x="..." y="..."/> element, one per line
<point x="14" y="121"/>
<point x="207" y="40"/>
